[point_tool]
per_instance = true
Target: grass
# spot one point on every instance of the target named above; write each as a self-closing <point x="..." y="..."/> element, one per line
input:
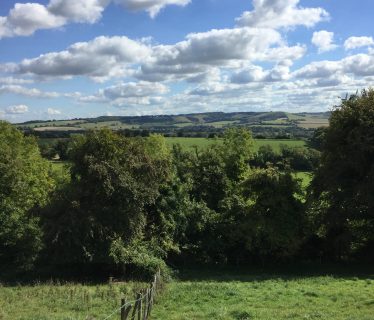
<point x="265" y="297"/>
<point x="189" y="143"/>
<point x="54" y="301"/>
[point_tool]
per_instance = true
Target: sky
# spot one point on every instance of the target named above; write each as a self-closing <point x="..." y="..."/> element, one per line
<point x="63" y="59"/>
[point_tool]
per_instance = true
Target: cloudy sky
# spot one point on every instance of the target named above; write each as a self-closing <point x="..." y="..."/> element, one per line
<point x="84" y="58"/>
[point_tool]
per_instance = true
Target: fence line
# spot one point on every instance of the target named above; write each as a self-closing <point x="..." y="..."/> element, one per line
<point x="141" y="307"/>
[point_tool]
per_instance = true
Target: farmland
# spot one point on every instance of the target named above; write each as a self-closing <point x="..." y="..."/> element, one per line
<point x="214" y="120"/>
<point x="258" y="295"/>
<point x="189" y="143"/>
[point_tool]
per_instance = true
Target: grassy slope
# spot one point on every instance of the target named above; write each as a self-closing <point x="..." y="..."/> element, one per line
<point x="246" y="296"/>
<point x="63" y="302"/>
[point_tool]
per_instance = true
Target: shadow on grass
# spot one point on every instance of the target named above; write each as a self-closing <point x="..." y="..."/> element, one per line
<point x="283" y="272"/>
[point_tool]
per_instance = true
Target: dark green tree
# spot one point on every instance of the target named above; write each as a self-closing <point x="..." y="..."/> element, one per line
<point x="342" y="194"/>
<point x="265" y="218"/>
<point x="101" y="218"/>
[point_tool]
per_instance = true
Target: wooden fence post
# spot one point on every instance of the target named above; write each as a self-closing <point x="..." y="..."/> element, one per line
<point x="143" y="305"/>
<point x="140" y="306"/>
<point x="123" y="302"/>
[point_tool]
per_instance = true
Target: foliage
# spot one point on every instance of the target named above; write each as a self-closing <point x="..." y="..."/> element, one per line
<point x="113" y="180"/>
<point x="295" y="158"/>
<point x="25" y="183"/>
<point x="265" y="218"/>
<point x="341" y="200"/>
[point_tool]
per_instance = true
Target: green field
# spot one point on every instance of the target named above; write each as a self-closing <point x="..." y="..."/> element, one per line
<point x="268" y="297"/>
<point x="63" y="301"/>
<point x="189" y="143"/>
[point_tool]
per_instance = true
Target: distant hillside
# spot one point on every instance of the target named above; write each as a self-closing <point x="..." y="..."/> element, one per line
<point x="183" y="122"/>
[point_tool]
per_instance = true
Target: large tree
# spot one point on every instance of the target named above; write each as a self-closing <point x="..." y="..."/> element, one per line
<point x="342" y="198"/>
<point x="101" y="218"/>
<point x="24" y="186"/>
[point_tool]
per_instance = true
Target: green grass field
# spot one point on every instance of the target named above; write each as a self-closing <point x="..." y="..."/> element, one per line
<point x="63" y="301"/>
<point x="267" y="297"/>
<point x="189" y="143"/>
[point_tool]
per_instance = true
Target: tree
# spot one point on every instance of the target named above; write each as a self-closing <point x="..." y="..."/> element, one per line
<point x="25" y="183"/>
<point x="101" y="217"/>
<point x="342" y="195"/>
<point x="265" y="218"/>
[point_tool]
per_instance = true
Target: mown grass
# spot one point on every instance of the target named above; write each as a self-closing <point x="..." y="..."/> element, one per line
<point x="189" y="143"/>
<point x="69" y="301"/>
<point x="264" y="296"/>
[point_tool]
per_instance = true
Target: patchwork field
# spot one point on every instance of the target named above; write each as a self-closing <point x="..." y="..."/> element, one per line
<point x="266" y="297"/>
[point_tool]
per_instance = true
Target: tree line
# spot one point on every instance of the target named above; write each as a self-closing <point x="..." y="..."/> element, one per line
<point x="133" y="205"/>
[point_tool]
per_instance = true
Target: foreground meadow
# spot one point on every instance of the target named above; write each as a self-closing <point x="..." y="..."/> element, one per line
<point x="69" y="301"/>
<point x="268" y="297"/>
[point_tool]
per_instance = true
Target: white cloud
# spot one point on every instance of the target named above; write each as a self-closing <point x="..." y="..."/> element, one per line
<point x="324" y="40"/>
<point x="99" y="59"/>
<point x="51" y="111"/>
<point x="130" y="93"/>
<point x="17" y="109"/>
<point x="133" y="89"/>
<point x="26" y="18"/>
<point x="34" y="93"/>
<point x="281" y="14"/>
<point x="84" y="11"/>
<point x="279" y="72"/>
<point x="153" y="7"/>
<point x="359" y="65"/>
<point x="104" y="58"/>
<point x="357" y="42"/>
<point x="12" y="80"/>
<point x="225" y="48"/>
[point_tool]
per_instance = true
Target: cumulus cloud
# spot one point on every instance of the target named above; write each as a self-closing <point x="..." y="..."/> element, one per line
<point x="52" y="112"/>
<point x="359" y="65"/>
<point x="108" y="57"/>
<point x="281" y="14"/>
<point x="26" y="18"/>
<point x="153" y="7"/>
<point x="12" y="80"/>
<point x="23" y="91"/>
<point x="216" y="48"/>
<point x="99" y="59"/>
<point x="133" y="89"/>
<point x="279" y="72"/>
<point x="357" y="42"/>
<point x="17" y="109"/>
<point x="130" y="93"/>
<point x="324" y="40"/>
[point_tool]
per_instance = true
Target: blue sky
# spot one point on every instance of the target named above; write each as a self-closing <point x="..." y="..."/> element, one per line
<point x="84" y="58"/>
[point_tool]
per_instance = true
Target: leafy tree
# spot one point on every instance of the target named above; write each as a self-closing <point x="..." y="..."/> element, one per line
<point x="265" y="218"/>
<point x="341" y="200"/>
<point x="25" y="183"/>
<point x="102" y="214"/>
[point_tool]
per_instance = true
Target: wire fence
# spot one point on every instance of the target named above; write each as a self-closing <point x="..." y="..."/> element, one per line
<point x="140" y="308"/>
